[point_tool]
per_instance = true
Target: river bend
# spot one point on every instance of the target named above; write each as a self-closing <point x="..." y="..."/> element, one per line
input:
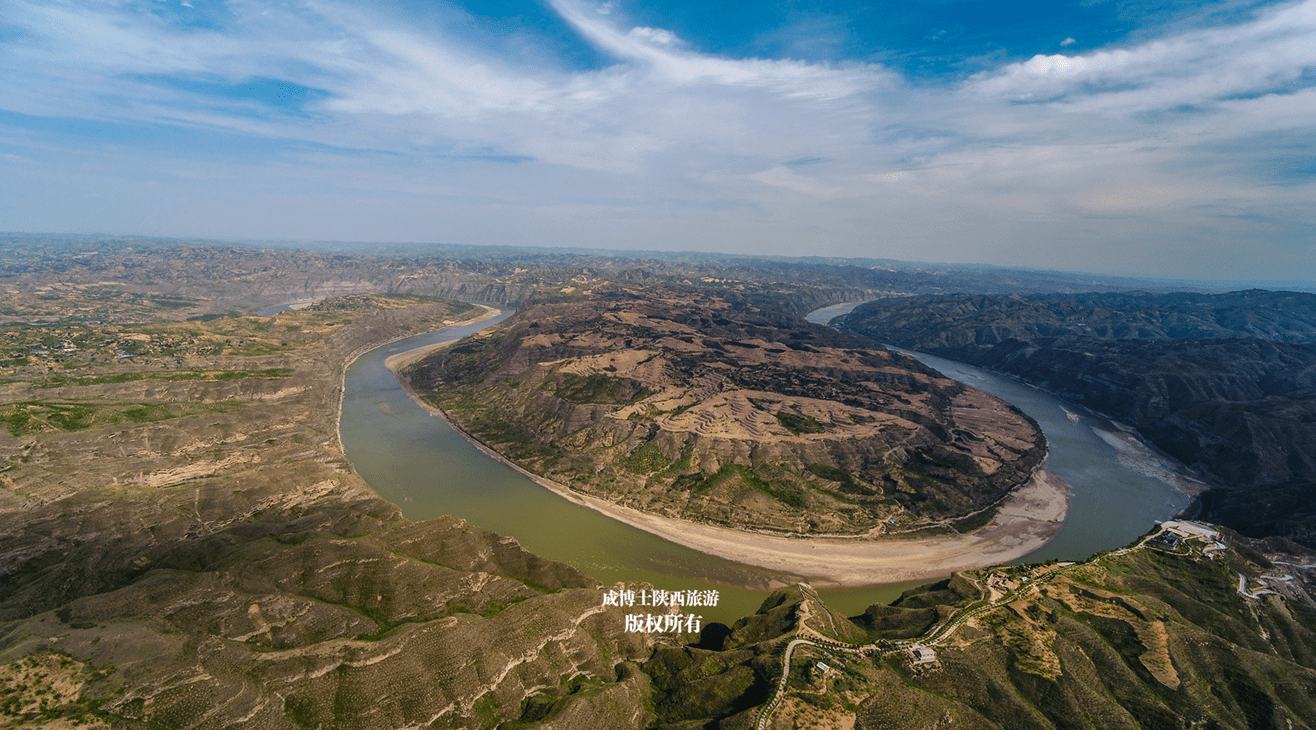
<point x="418" y="462"/>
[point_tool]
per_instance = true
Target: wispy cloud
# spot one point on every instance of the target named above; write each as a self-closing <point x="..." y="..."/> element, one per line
<point x="1203" y="66"/>
<point x="1159" y="142"/>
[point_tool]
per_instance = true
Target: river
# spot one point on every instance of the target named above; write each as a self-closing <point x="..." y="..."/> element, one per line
<point x="419" y="463"/>
<point x="1112" y="501"/>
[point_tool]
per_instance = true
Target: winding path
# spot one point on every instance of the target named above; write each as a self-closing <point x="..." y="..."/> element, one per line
<point x="808" y="636"/>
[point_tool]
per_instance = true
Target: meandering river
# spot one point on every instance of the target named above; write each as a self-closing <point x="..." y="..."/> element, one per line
<point x="418" y="462"/>
<point x="1113" y="499"/>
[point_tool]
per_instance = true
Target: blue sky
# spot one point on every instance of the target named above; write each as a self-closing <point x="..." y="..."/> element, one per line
<point x="1161" y="139"/>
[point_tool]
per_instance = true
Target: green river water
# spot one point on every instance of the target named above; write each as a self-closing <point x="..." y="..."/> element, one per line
<point x="415" y="460"/>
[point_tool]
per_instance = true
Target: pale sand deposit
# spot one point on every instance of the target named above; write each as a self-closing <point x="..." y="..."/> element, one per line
<point x="1136" y="454"/>
<point x="395" y="363"/>
<point x="1028" y="519"/>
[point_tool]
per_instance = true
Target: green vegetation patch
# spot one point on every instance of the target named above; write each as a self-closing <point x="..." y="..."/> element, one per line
<point x="362" y="302"/>
<point x="646" y="460"/>
<point x="678" y="466"/>
<point x="173" y="302"/>
<point x="60" y="381"/>
<point x="797" y="423"/>
<point x="148" y="413"/>
<point x="697" y="684"/>
<point x="70" y="417"/>
<point x="517" y="440"/>
<point x="599" y="388"/>
<point x="302" y="711"/>
<point x="237" y="374"/>
<point x="40" y="690"/>
<point x="699" y="483"/>
<point x="831" y="473"/>
<point x="211" y="317"/>
<point x="897" y="622"/>
<point x="844" y="480"/>
<point x="467" y="362"/>
<point x="19" y="422"/>
<point x="36" y="416"/>
<point x="974" y="522"/>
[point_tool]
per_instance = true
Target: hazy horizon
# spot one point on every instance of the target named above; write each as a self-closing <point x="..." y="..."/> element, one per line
<point x="512" y="251"/>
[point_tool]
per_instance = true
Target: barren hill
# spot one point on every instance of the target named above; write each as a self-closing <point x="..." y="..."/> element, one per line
<point x="698" y="406"/>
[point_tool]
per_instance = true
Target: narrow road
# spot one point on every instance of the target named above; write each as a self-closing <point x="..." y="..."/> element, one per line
<point x="940" y="633"/>
<point x="781" y="684"/>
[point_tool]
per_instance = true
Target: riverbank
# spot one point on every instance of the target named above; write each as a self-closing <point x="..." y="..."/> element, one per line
<point x="395" y="363"/>
<point x="489" y="313"/>
<point x="1027" y="520"/>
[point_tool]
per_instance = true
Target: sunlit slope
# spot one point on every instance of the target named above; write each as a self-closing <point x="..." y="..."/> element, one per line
<point x="721" y="409"/>
<point x="1151" y="637"/>
<point x="182" y="544"/>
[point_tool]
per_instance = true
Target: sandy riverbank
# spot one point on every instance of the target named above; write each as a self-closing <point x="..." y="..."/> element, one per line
<point x="395" y="363"/>
<point x="1027" y="520"/>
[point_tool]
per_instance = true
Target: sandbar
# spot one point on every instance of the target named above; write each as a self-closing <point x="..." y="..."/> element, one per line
<point x="1138" y="455"/>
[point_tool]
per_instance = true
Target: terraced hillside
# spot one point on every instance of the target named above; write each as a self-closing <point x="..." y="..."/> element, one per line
<point x="1152" y="636"/>
<point x="697" y="405"/>
<point x="182" y="544"/>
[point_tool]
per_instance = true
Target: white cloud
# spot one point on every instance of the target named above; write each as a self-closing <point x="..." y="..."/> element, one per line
<point x="792" y="78"/>
<point x="1199" y="66"/>
<point x="1068" y="42"/>
<point x="657" y="36"/>
<point x="1159" y="138"/>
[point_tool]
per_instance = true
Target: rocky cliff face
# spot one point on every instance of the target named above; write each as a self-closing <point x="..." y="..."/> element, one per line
<point x="1224" y="383"/>
<point x="693" y="405"/>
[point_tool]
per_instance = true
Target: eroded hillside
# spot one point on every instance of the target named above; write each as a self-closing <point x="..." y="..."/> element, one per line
<point x="705" y="406"/>
<point x="182" y="544"/>
<point x="1208" y="632"/>
<point x="1224" y="383"/>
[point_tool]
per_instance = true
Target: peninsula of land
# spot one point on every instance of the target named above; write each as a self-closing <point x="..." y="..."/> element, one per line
<point x="769" y="442"/>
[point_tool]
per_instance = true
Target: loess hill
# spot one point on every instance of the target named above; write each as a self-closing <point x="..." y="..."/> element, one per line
<point x="1150" y="637"/>
<point x="184" y="545"/>
<point x="704" y="405"/>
